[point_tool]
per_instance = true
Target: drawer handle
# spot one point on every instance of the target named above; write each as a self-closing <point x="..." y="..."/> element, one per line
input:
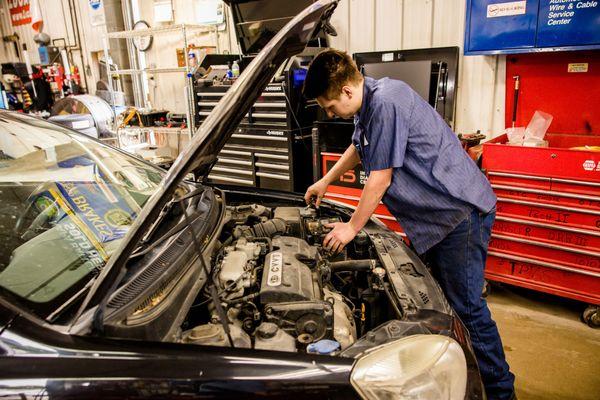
<point x="236" y="152"/>
<point x="273" y="138"/>
<point x="274" y="156"/>
<point x="543" y="263"/>
<point x="232" y="170"/>
<point x="273" y="166"/>
<point x="530" y="203"/>
<point x="547" y="245"/>
<point x="234" y="161"/>
<point x="547" y="226"/>
<point x="273" y="176"/>
<point x="547" y="192"/>
<point x="544" y="178"/>
<point x="228" y="179"/>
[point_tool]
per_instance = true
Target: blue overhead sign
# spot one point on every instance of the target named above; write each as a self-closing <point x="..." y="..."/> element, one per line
<point x="497" y="26"/>
<point x="568" y="23"/>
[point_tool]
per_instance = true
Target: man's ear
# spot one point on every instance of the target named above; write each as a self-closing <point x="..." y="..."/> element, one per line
<point x="347" y="90"/>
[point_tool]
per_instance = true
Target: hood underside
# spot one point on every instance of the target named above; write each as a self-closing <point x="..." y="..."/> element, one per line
<point x="214" y="132"/>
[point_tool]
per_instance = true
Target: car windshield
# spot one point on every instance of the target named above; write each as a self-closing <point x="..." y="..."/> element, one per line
<point x="66" y="202"/>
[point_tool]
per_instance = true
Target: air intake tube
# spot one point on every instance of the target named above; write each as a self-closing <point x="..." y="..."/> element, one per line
<point x="270" y="228"/>
<point x="352" y="265"/>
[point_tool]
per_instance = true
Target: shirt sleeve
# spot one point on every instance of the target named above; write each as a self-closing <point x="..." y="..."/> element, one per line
<point x="387" y="137"/>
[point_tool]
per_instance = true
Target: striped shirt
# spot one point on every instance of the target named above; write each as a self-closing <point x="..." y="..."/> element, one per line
<point x="435" y="185"/>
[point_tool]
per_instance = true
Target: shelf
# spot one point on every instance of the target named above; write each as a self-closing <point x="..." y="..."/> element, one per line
<point x="160" y="30"/>
<point x="147" y="70"/>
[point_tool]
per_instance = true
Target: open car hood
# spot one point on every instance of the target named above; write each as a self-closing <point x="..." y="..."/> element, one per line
<point x="211" y="136"/>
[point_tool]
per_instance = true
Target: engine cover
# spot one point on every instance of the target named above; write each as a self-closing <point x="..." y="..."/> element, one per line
<point x="308" y="321"/>
<point x="286" y="278"/>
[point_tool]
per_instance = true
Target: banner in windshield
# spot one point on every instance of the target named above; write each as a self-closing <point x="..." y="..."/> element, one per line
<point x="100" y="213"/>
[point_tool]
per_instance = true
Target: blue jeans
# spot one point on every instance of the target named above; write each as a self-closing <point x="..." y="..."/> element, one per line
<point x="457" y="262"/>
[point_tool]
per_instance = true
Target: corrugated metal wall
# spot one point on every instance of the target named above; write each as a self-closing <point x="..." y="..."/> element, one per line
<point x="57" y="23"/>
<point x="362" y="25"/>
<point x="377" y="25"/>
<point x="167" y="90"/>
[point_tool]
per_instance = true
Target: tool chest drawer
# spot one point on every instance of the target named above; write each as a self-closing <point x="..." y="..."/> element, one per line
<point x="547" y="231"/>
<point x="262" y="158"/>
<point x="262" y="149"/>
<point x="270" y="109"/>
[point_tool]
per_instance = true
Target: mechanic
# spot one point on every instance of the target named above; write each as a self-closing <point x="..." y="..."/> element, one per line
<point x="416" y="165"/>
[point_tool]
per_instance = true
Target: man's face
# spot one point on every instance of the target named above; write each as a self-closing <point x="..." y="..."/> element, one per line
<point x="344" y="106"/>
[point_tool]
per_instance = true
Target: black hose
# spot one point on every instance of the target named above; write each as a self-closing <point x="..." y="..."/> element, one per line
<point x="270" y="228"/>
<point x="352" y="265"/>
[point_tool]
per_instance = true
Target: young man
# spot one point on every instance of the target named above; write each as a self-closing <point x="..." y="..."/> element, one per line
<point x="416" y="165"/>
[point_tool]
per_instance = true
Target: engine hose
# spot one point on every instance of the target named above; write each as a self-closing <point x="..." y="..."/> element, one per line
<point x="352" y="265"/>
<point x="270" y="228"/>
<point x="240" y="299"/>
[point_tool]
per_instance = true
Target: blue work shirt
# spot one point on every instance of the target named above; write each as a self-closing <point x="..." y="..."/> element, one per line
<point x="435" y="185"/>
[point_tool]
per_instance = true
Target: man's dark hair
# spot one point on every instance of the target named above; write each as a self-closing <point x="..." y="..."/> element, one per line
<point x="328" y="73"/>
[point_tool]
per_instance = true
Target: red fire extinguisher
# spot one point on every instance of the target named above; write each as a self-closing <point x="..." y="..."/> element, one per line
<point x="75" y="77"/>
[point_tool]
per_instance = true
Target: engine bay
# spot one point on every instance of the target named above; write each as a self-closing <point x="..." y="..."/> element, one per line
<point x="280" y="289"/>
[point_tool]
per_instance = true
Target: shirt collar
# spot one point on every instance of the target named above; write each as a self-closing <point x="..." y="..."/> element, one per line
<point x="368" y="87"/>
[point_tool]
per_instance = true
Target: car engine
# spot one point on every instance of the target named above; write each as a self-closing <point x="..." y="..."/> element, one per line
<point x="279" y="289"/>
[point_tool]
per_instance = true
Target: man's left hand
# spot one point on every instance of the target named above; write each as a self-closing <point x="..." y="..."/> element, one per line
<point x="341" y="234"/>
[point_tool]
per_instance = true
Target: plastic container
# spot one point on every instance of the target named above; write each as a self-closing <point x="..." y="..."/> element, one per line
<point x="235" y="69"/>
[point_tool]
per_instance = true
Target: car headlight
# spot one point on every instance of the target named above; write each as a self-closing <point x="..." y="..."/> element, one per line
<point x="415" y="367"/>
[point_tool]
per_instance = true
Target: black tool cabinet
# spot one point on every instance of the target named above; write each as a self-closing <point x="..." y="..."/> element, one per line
<point x="271" y="148"/>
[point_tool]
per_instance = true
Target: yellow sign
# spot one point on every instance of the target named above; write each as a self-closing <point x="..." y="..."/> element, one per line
<point x="578" y="67"/>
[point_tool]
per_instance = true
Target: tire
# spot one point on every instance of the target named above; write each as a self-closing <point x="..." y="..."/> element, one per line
<point x="591" y="316"/>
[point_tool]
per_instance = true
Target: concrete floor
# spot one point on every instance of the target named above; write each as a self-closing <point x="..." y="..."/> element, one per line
<point x="552" y="353"/>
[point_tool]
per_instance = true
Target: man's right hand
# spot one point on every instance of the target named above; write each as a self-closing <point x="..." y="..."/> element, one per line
<point x="316" y="191"/>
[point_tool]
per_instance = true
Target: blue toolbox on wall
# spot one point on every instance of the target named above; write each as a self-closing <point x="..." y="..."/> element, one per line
<point x="504" y="27"/>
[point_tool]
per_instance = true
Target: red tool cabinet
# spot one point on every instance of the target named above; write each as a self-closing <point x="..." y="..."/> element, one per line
<point x="349" y="187"/>
<point x="547" y="231"/>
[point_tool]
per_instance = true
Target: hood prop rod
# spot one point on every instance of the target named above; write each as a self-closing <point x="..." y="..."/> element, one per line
<point x="213" y="287"/>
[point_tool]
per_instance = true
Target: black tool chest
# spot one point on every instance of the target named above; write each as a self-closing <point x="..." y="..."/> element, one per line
<point x="268" y="149"/>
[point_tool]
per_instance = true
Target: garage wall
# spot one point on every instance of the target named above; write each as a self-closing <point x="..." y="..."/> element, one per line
<point x="362" y="25"/>
<point x="166" y="90"/>
<point x="378" y="25"/>
<point x="56" y="16"/>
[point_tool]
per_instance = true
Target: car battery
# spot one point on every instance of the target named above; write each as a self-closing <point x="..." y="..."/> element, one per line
<point x="547" y="231"/>
<point x="330" y="140"/>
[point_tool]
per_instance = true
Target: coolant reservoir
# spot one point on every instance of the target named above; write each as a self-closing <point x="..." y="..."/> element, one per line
<point x="270" y="337"/>
<point x="214" y="335"/>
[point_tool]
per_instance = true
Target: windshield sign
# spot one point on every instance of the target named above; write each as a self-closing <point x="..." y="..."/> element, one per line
<point x="66" y="201"/>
